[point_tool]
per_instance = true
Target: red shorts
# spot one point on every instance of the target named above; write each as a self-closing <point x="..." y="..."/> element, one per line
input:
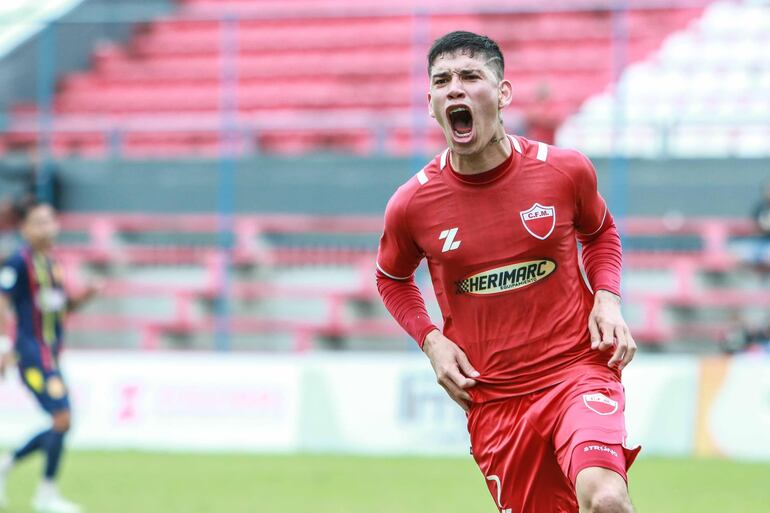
<point x="524" y="444"/>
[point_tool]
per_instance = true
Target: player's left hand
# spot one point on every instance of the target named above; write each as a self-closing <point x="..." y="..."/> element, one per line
<point x="6" y="361"/>
<point x="609" y="329"/>
<point x="94" y="287"/>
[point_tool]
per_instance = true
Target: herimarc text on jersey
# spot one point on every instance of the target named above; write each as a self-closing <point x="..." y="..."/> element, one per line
<point x="505" y="278"/>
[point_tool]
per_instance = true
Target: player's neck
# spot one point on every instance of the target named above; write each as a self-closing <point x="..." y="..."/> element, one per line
<point x="40" y="249"/>
<point x="491" y="156"/>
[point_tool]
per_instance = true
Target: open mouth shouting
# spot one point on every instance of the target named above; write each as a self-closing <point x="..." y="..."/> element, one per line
<point x="461" y="121"/>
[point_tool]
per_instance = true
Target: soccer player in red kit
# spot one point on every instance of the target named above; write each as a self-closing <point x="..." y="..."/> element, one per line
<point x="528" y="350"/>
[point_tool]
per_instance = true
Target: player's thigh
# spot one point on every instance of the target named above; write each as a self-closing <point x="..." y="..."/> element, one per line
<point x="594" y="422"/>
<point x="47" y="386"/>
<point x="518" y="463"/>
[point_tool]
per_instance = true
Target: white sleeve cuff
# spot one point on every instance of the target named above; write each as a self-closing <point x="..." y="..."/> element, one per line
<point x="383" y="271"/>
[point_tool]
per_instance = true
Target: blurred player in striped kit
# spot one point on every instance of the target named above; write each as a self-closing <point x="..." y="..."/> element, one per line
<point x="31" y="282"/>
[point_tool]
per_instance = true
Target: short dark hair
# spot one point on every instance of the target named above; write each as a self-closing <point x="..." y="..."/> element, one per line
<point x="25" y="206"/>
<point x="469" y="44"/>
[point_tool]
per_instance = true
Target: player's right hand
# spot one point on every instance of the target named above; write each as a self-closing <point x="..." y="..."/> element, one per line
<point x="6" y="355"/>
<point x="6" y="360"/>
<point x="453" y="370"/>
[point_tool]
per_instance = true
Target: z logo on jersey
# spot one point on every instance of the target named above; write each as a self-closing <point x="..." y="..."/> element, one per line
<point x="539" y="220"/>
<point x="448" y="236"/>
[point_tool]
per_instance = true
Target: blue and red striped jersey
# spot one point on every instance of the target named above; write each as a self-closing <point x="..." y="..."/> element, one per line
<point x="33" y="281"/>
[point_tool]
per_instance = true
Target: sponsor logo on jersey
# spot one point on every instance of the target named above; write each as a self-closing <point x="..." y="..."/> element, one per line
<point x="34" y="379"/>
<point x="51" y="300"/>
<point x="600" y="403"/>
<point x="539" y="220"/>
<point x="506" y="278"/>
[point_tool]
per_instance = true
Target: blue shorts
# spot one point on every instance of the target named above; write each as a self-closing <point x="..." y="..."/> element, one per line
<point x="47" y="385"/>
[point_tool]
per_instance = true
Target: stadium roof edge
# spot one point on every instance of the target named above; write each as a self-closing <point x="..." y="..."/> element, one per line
<point x="25" y="18"/>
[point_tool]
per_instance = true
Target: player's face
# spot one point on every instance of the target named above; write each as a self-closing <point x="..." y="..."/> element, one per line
<point x="40" y="228"/>
<point x="466" y="97"/>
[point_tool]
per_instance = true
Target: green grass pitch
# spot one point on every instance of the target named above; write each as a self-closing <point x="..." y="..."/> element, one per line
<point x="131" y="482"/>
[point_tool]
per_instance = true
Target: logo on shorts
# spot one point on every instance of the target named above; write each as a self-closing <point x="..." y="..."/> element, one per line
<point x="539" y="220"/>
<point x="600" y="403"/>
<point x="600" y="448"/>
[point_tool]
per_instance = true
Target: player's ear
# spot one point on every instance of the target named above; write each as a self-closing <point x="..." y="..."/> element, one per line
<point x="430" y="107"/>
<point x="504" y="94"/>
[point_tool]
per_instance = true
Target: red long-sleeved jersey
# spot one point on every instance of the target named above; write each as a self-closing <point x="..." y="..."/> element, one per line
<point x="502" y="252"/>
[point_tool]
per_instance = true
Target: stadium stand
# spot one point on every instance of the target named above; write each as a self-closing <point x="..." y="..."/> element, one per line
<point x="703" y="93"/>
<point x="301" y="271"/>
<point x="42" y="40"/>
<point x="310" y="295"/>
<point x="305" y="79"/>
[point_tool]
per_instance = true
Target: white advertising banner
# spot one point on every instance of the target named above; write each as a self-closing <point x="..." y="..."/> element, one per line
<point x="661" y="403"/>
<point x="738" y="420"/>
<point x="358" y="403"/>
<point x="393" y="404"/>
<point x="169" y="401"/>
<point x="381" y="404"/>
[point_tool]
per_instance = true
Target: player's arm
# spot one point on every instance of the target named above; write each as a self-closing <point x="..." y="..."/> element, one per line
<point x="75" y="300"/>
<point x="11" y="273"/>
<point x="397" y="259"/>
<point x="6" y="345"/>
<point x="406" y="304"/>
<point x="602" y="260"/>
<point x="453" y="370"/>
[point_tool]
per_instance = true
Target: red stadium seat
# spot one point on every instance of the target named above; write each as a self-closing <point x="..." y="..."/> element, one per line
<point x="106" y="246"/>
<point x="296" y="58"/>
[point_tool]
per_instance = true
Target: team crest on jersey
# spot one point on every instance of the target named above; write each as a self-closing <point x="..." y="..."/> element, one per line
<point x="600" y="403"/>
<point x="506" y="278"/>
<point x="539" y="220"/>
